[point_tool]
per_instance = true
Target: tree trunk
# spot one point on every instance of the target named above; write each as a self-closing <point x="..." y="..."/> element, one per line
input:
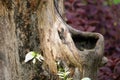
<point x="36" y="25"/>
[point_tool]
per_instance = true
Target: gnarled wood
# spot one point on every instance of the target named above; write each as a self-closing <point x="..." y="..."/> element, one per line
<point x="83" y="50"/>
<point x="35" y="25"/>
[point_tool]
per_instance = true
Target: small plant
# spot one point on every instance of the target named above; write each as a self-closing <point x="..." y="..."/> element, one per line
<point x="33" y="56"/>
<point x="63" y="72"/>
<point x="64" y="75"/>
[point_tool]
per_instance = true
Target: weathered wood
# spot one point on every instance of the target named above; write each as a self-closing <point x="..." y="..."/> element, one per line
<point x="18" y="35"/>
<point x="35" y="25"/>
<point x="79" y="49"/>
<point x="8" y="46"/>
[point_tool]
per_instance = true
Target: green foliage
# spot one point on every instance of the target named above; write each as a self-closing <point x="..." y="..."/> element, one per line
<point x="33" y="56"/>
<point x="116" y="1"/>
<point x="63" y="73"/>
<point x="111" y="2"/>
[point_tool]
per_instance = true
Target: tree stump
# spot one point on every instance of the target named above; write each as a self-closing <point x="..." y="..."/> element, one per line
<point x="35" y="25"/>
<point x="82" y="50"/>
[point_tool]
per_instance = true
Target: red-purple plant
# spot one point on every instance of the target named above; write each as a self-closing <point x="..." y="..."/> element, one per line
<point x="97" y="16"/>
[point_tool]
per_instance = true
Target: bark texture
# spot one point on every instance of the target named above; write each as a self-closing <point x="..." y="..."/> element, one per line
<point x="18" y="35"/>
<point x="9" y="59"/>
<point x="82" y="50"/>
<point x="35" y="25"/>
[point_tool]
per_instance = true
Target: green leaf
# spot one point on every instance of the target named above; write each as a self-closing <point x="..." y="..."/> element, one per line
<point x="29" y="56"/>
<point x="33" y="55"/>
<point x="61" y="77"/>
<point x="69" y="79"/>
<point x="39" y="57"/>
<point x="116" y="1"/>
<point x="34" y="61"/>
<point x="67" y="73"/>
<point x="61" y="73"/>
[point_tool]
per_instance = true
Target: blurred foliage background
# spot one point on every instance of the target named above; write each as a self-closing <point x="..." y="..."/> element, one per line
<point x="101" y="16"/>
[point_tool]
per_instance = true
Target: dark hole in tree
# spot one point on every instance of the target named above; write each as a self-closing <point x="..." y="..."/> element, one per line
<point x="83" y="42"/>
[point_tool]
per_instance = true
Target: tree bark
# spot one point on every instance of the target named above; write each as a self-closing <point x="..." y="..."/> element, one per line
<point x="35" y="25"/>
<point x="9" y="60"/>
<point x="83" y="50"/>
